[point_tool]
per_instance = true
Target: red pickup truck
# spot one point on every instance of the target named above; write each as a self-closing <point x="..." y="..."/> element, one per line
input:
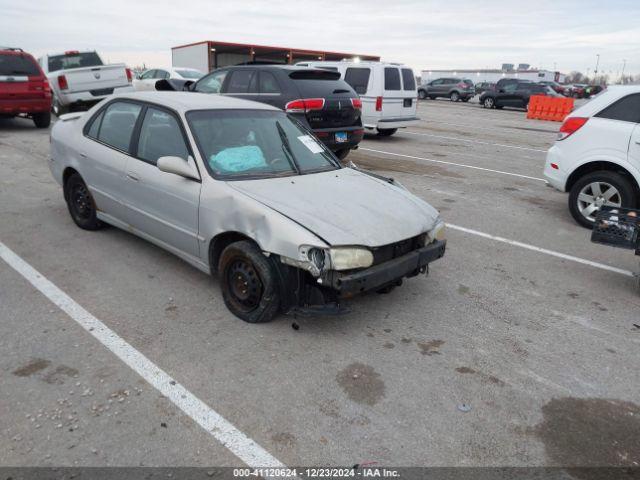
<point x="24" y="89"/>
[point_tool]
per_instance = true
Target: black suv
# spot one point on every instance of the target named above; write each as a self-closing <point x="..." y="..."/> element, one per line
<point x="514" y="93"/>
<point x="455" y="89"/>
<point x="317" y="98"/>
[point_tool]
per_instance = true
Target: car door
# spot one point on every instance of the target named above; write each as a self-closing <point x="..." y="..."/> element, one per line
<point x="521" y="96"/>
<point x="162" y="205"/>
<point x="392" y="93"/>
<point x="506" y="96"/>
<point x="105" y="150"/>
<point x="436" y="87"/>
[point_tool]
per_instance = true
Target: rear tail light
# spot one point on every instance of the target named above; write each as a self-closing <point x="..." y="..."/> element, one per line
<point x="72" y="52"/>
<point x="462" y="85"/>
<point x="570" y="126"/>
<point x="356" y="103"/>
<point x="304" y="105"/>
<point x="47" y="87"/>
<point x="62" y="82"/>
<point x="378" y="104"/>
<point x="129" y="75"/>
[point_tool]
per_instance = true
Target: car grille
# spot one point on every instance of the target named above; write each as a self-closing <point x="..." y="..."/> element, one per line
<point x="100" y="92"/>
<point x="397" y="249"/>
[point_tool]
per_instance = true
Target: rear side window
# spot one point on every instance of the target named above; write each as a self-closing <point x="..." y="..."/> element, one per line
<point x="18" y="65"/>
<point x="94" y="128"/>
<point x="268" y="83"/>
<point x="160" y="136"/>
<point x="358" y="78"/>
<point x="408" y="79"/>
<point x="391" y="79"/>
<point x="240" y="81"/>
<point x="117" y="125"/>
<point x="626" y="109"/>
<point x="74" y="60"/>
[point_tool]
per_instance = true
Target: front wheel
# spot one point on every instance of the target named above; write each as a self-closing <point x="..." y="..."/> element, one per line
<point x="249" y="283"/>
<point x="80" y="203"/>
<point x="596" y="190"/>
<point x="386" y="132"/>
<point x="488" y="103"/>
<point x="422" y="94"/>
<point x="42" y="120"/>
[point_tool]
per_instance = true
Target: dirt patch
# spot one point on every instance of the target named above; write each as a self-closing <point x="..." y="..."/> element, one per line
<point x="589" y="432"/>
<point x="449" y="200"/>
<point x="361" y="383"/>
<point x="56" y="376"/>
<point x="538" y="202"/>
<point x="389" y="345"/>
<point x="34" y="366"/>
<point x="284" y="439"/>
<point x="431" y="347"/>
<point x="483" y="376"/>
<point x="463" y="289"/>
<point x="403" y="166"/>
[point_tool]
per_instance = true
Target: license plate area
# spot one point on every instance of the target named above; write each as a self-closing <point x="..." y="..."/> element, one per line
<point x="341" y="137"/>
<point x="407" y="102"/>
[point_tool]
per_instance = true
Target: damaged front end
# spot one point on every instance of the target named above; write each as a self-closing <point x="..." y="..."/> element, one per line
<point x="321" y="278"/>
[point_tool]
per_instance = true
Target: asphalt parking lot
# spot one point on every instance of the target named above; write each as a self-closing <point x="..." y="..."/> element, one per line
<point x="519" y="348"/>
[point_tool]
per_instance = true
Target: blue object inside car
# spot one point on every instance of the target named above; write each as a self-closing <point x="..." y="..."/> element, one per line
<point x="238" y="159"/>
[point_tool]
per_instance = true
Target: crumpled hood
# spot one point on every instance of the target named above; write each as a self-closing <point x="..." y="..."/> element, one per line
<point x="344" y="207"/>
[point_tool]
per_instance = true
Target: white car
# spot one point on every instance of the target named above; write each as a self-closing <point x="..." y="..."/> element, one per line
<point x="81" y="79"/>
<point x="388" y="91"/>
<point x="147" y="80"/>
<point x="596" y="157"/>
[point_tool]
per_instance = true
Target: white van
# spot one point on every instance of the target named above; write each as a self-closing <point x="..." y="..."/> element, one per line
<point x="388" y="92"/>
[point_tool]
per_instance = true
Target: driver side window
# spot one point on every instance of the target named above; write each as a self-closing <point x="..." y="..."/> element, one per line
<point x="212" y="83"/>
<point x="160" y="136"/>
<point x="148" y="75"/>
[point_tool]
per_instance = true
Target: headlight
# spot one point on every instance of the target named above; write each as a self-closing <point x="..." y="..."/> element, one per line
<point x="437" y="232"/>
<point x="347" y="258"/>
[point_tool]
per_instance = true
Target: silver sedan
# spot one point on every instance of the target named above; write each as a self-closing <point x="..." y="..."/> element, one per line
<point x="242" y="189"/>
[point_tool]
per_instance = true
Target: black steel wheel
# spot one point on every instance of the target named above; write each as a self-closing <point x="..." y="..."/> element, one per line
<point x="80" y="203"/>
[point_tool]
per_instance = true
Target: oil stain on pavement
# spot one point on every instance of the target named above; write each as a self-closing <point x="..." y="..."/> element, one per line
<point x="590" y="432"/>
<point x="34" y="366"/>
<point x="361" y="383"/>
<point x="431" y="347"/>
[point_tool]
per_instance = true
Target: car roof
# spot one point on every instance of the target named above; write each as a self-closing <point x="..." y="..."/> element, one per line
<point x="185" y="101"/>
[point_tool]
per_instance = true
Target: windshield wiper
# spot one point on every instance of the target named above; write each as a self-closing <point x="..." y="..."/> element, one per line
<point x="286" y="148"/>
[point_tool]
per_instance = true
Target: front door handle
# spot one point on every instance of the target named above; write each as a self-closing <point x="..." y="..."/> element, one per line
<point x="133" y="176"/>
<point x="637" y="142"/>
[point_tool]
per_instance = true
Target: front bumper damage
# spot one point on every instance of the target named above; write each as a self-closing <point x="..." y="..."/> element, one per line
<point x="302" y="293"/>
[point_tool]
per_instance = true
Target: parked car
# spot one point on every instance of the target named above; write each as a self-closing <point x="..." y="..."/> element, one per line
<point x="147" y="79"/>
<point x="596" y="157"/>
<point x="24" y="90"/>
<point x="387" y="90"/>
<point x="242" y="189"/>
<point x="80" y="79"/>
<point x="593" y="90"/>
<point x="561" y="89"/>
<point x="483" y="87"/>
<point x="315" y="97"/>
<point x="455" y="89"/>
<point x="514" y="94"/>
<point x="577" y="90"/>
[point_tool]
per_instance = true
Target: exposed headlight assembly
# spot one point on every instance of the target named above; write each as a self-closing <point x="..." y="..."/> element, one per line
<point x="437" y="232"/>
<point x="319" y="260"/>
<point x="348" y="258"/>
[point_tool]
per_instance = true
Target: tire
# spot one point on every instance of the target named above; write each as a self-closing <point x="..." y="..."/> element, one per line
<point x="584" y="201"/>
<point x="454" y="96"/>
<point x="80" y="203"/>
<point x="489" y="102"/>
<point x="342" y="154"/>
<point x="465" y="100"/>
<point x="42" y="120"/>
<point x="386" y="132"/>
<point x="249" y="283"/>
<point x="57" y="108"/>
<point x="432" y="97"/>
<point x="422" y="94"/>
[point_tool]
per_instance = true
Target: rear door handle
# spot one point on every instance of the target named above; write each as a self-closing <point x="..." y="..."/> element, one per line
<point x="83" y="155"/>
<point x="133" y="176"/>
<point x="637" y="142"/>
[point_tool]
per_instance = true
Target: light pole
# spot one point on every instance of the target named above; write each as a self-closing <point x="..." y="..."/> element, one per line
<point x="595" y="72"/>
<point x="624" y="64"/>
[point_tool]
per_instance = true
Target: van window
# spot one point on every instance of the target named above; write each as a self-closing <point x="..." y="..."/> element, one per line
<point x="117" y="125"/>
<point x="626" y="109"/>
<point x="358" y="78"/>
<point x="408" y="79"/>
<point x="391" y="79"/>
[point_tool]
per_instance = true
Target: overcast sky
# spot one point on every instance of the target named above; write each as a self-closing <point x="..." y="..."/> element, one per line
<point x="422" y="33"/>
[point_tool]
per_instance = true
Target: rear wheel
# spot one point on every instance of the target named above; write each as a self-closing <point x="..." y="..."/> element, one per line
<point x="57" y="108"/>
<point x="386" y="132"/>
<point x="42" y="120"/>
<point x="488" y="103"/>
<point x="598" y="189"/>
<point x="80" y="203"/>
<point x="249" y="283"/>
<point x="454" y="97"/>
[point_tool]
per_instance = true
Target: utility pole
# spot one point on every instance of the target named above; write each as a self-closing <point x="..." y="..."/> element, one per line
<point x="595" y="72"/>
<point x="624" y="64"/>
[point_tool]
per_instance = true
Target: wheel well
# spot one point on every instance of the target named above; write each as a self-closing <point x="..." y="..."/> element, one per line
<point x="219" y="243"/>
<point x="65" y="176"/>
<point x="597" y="166"/>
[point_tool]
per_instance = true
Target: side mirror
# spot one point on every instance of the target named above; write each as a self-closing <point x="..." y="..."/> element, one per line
<point x="178" y="166"/>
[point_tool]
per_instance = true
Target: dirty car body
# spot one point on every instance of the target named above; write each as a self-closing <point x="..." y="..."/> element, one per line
<point x="242" y="189"/>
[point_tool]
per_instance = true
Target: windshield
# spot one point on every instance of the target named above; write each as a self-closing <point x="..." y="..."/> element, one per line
<point x="245" y="144"/>
<point x="194" y="74"/>
<point x="74" y="60"/>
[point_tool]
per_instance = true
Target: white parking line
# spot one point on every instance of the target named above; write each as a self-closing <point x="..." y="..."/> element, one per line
<point x="222" y="430"/>
<point x="474" y="141"/>
<point x="489" y="129"/>
<point x="563" y="256"/>
<point x="453" y="164"/>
